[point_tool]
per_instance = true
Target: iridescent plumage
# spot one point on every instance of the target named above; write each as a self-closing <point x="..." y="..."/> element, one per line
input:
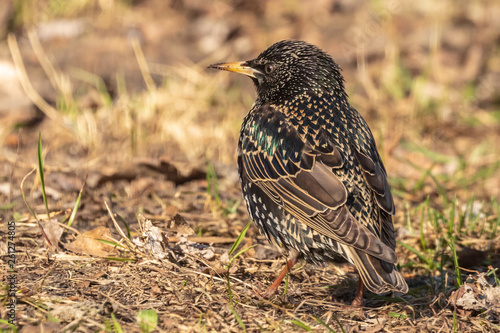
<point x="311" y="175"/>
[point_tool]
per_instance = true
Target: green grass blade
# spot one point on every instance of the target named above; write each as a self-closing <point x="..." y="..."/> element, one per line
<point x="441" y="267"/>
<point x="107" y="242"/>
<point x="231" y="207"/>
<point x="338" y="322"/>
<point x="238" y="319"/>
<point x="117" y="328"/>
<point x="430" y="154"/>
<point x="397" y="315"/>
<point x="75" y="208"/>
<point x="434" y="218"/>
<point x="492" y="271"/>
<point x="213" y="183"/>
<point x="422" y="237"/>
<point x="12" y="327"/>
<point x="229" y="292"/>
<point x="7" y="206"/>
<point x="125" y="224"/>
<point x="42" y="177"/>
<point x="468" y="214"/>
<point x="455" y="261"/>
<point x="301" y="325"/>
<point x="420" y="183"/>
<point x="121" y="259"/>
<point x="147" y="320"/>
<point x="420" y="255"/>
<point x="494" y="225"/>
<point x="451" y="219"/>
<point x="240" y="238"/>
<point x="440" y="188"/>
<point x="199" y="320"/>
<point x="243" y="251"/>
<point x="95" y="81"/>
<point x="321" y="322"/>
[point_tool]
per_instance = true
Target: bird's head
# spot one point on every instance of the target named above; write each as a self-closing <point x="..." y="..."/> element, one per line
<point x="289" y="68"/>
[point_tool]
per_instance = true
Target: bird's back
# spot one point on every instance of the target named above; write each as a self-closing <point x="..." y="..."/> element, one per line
<point x="313" y="182"/>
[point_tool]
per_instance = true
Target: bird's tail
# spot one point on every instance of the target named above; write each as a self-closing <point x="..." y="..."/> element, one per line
<point x="378" y="276"/>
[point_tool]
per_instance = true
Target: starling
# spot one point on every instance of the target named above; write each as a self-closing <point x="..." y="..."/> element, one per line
<point x="310" y="172"/>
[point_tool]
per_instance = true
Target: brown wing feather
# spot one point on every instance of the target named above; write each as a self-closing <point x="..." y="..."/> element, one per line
<point x="317" y="197"/>
<point x="376" y="178"/>
<point x="377" y="276"/>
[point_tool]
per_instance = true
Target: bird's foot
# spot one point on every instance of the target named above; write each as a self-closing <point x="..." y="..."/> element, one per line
<point x="358" y="302"/>
<point x="265" y="294"/>
<point x="271" y="291"/>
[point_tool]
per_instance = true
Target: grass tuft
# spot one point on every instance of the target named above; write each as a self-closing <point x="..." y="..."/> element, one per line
<point x="41" y="174"/>
<point x="235" y="245"/>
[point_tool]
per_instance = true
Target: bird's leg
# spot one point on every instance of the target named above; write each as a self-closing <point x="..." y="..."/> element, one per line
<point x="291" y="262"/>
<point x="358" y="300"/>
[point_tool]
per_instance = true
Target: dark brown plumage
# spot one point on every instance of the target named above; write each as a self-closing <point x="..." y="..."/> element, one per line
<point x="311" y="175"/>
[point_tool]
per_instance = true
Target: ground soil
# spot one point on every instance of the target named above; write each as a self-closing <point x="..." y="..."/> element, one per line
<point x="149" y="134"/>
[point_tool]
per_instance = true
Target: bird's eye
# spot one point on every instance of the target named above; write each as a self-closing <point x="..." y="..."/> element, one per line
<point x="269" y="69"/>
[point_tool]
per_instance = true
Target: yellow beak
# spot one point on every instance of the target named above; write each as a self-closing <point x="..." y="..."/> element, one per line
<point x="238" y="67"/>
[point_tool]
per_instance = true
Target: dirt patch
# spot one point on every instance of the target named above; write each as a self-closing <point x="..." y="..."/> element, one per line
<point x="123" y="101"/>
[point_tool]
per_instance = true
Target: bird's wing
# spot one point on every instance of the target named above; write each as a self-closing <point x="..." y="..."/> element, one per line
<point x="299" y="178"/>
<point x="375" y="175"/>
<point x="377" y="275"/>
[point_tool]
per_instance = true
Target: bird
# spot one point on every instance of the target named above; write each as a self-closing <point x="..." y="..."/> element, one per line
<point x="310" y="172"/>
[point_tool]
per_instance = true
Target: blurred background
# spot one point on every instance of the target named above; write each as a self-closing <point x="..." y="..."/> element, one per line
<point x="120" y="93"/>
<point x="109" y="83"/>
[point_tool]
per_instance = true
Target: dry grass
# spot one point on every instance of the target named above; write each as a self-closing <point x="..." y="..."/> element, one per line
<point x="426" y="79"/>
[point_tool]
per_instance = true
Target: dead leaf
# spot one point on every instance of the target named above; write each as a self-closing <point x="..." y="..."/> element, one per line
<point x="179" y="225"/>
<point x="53" y="231"/>
<point x="153" y="240"/>
<point x="88" y="243"/>
<point x="185" y="246"/>
<point x="209" y="254"/>
<point x="171" y="210"/>
<point x="157" y="241"/>
<point x="477" y="297"/>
